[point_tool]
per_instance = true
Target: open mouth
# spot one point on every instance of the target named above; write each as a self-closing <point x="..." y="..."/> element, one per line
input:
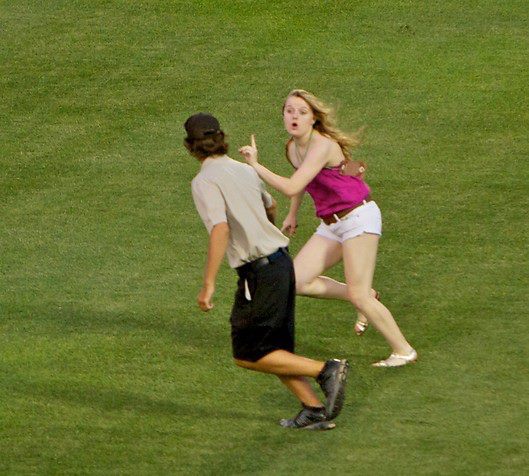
<point x="294" y="124"/>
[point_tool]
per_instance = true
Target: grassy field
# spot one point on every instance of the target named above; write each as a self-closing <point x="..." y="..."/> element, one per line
<point x="106" y="364"/>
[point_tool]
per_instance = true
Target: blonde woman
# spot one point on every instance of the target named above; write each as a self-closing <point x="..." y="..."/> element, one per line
<point x="351" y="222"/>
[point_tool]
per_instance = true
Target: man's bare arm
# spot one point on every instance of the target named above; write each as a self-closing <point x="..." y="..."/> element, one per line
<point x="271" y="212"/>
<point x="218" y="244"/>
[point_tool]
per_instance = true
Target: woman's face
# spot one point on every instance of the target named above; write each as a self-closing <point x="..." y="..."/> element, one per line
<point x="297" y="116"/>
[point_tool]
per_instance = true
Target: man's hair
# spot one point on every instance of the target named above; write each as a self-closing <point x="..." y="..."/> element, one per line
<point x="213" y="144"/>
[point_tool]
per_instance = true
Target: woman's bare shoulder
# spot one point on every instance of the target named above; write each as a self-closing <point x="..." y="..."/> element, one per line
<point x="333" y="151"/>
<point x="325" y="142"/>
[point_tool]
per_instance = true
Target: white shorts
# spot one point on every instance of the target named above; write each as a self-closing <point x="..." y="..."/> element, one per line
<point x="363" y="219"/>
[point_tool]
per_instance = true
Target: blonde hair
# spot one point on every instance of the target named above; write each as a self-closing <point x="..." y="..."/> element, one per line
<point x="325" y="125"/>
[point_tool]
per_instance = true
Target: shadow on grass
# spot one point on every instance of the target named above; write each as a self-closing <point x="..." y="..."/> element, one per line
<point x="116" y="400"/>
<point x="61" y="320"/>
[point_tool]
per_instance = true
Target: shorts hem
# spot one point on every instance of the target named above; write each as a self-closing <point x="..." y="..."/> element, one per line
<point x="363" y="233"/>
<point x="258" y="355"/>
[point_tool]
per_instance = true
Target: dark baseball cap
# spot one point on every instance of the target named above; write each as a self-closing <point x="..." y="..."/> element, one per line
<point x="201" y="125"/>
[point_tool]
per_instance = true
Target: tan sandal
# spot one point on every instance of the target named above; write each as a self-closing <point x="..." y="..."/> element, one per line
<point x="361" y="326"/>
<point x="396" y="360"/>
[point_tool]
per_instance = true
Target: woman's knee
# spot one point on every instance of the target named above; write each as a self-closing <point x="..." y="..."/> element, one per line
<point x="300" y="277"/>
<point x="358" y="297"/>
<point x="302" y="287"/>
<point x="305" y="276"/>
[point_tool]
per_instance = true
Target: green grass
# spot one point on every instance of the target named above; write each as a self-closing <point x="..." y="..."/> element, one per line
<point x="106" y="364"/>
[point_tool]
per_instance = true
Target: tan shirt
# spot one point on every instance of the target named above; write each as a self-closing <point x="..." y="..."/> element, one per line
<point x="231" y="192"/>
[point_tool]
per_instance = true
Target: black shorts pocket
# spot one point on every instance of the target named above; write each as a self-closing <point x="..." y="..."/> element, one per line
<point x="243" y="309"/>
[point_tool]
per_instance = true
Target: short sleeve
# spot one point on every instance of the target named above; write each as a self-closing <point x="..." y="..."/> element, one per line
<point x="209" y="202"/>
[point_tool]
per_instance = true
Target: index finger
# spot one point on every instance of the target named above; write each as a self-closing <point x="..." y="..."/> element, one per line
<point x="252" y="138"/>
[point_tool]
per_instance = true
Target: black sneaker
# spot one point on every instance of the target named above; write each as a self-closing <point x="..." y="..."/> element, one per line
<point x="332" y="381"/>
<point x="309" y="418"/>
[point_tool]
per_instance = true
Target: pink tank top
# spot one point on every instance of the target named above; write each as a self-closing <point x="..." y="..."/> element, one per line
<point x="332" y="191"/>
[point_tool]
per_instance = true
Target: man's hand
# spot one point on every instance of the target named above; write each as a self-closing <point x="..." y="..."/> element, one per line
<point x="205" y="296"/>
<point x="218" y="243"/>
<point x="249" y="152"/>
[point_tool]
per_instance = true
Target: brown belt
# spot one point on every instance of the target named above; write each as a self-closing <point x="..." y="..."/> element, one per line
<point x="330" y="219"/>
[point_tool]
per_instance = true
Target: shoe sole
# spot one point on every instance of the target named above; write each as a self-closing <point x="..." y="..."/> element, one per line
<point x="407" y="362"/>
<point x="335" y="401"/>
<point x="320" y="426"/>
<point x="393" y="366"/>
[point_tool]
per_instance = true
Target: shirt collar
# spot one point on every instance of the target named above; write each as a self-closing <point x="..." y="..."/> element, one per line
<point x="210" y="160"/>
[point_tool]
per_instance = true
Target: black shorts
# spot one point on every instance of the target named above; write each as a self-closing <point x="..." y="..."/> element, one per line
<point x="266" y="322"/>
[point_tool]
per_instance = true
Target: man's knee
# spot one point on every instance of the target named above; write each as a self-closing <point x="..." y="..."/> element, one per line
<point x="245" y="364"/>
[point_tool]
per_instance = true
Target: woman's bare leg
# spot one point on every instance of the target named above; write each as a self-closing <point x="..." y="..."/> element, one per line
<point x="359" y="256"/>
<point x="318" y="255"/>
